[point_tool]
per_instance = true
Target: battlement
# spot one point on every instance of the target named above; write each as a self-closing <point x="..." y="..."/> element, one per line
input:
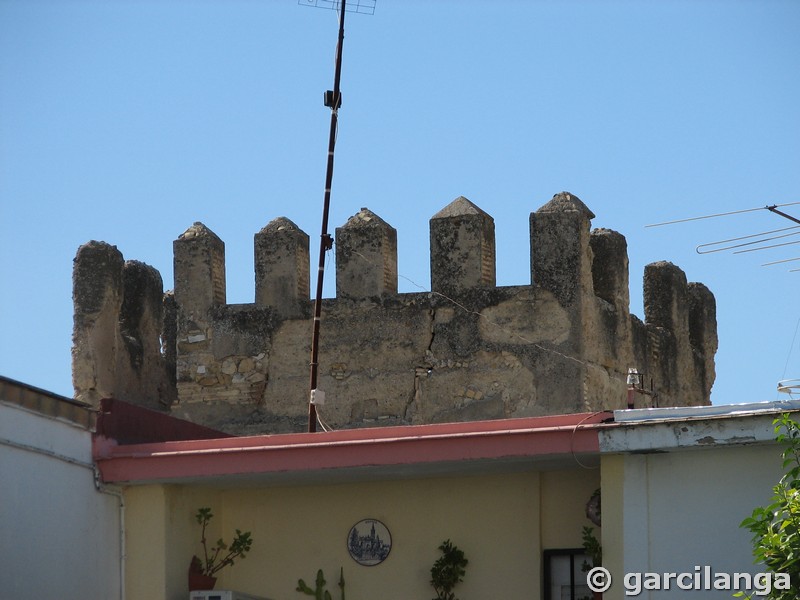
<point x="466" y="350"/>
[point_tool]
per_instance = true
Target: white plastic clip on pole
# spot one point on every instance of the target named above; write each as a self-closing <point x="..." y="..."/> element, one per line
<point x="317" y="397"/>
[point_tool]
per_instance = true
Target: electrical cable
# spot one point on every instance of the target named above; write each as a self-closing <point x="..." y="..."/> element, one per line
<point x="572" y="440"/>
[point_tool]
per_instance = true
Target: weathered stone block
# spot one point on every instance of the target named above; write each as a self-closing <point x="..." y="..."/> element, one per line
<point x="117" y="331"/>
<point x="282" y="267"/>
<point x="666" y="296"/>
<point x="199" y="268"/>
<point x="366" y="257"/>
<point x="610" y="267"/>
<point x="462" y="248"/>
<point x="561" y="256"/>
<point x="97" y="299"/>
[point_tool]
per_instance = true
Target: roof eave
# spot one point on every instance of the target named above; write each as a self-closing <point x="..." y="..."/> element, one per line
<point x="446" y="447"/>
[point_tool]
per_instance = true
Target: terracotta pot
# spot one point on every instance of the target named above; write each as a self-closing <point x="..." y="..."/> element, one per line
<point x="199" y="580"/>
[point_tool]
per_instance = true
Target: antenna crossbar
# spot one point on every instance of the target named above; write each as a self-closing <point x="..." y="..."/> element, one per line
<point x="780" y="262"/>
<point x="756" y="238"/>
<point x="733" y="212"/>
<point x="767" y="247"/>
<point x="362" y="7"/>
<point x="748" y="243"/>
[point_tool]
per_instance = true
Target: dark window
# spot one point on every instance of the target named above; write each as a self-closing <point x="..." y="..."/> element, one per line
<point x="564" y="577"/>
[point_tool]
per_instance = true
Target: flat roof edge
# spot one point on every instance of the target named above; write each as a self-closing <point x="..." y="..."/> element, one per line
<point x="681" y="413"/>
<point x="46" y="404"/>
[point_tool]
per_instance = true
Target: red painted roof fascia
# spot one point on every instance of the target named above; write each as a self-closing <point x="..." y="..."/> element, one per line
<point x="352" y="448"/>
<point x="127" y="423"/>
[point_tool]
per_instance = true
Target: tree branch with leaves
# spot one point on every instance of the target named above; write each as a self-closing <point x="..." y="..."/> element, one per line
<point x="217" y="558"/>
<point x="776" y="527"/>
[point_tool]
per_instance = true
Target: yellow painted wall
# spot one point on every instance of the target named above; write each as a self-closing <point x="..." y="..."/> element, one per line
<point x="161" y="535"/>
<point x="145" y="542"/>
<point x="492" y="519"/>
<point x="564" y="497"/>
<point x="613" y="467"/>
<point x="497" y="520"/>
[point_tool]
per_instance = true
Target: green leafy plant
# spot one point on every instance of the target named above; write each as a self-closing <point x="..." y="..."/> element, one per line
<point x="776" y="527"/>
<point x="447" y="571"/>
<point x="220" y="555"/>
<point x="591" y="545"/>
<point x="319" y="592"/>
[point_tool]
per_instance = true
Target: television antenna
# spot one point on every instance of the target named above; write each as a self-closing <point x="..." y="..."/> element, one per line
<point x="333" y="100"/>
<point x="753" y="242"/>
<point x="362" y="7"/>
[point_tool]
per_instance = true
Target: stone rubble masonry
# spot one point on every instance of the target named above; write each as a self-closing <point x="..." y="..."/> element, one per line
<point x="466" y="350"/>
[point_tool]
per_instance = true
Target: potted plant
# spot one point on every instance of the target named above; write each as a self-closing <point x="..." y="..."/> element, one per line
<point x="447" y="571"/>
<point x="202" y="572"/>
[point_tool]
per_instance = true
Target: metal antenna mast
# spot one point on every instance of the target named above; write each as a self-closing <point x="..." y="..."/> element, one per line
<point x="333" y="100"/>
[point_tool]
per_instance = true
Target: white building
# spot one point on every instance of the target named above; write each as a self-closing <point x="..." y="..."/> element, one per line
<point x="677" y="482"/>
<point x="60" y="533"/>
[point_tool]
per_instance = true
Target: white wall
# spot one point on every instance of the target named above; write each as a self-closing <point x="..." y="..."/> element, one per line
<point x="59" y="535"/>
<point x="673" y="511"/>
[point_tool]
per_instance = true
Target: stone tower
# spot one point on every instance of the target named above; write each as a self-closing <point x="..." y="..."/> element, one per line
<point x="466" y="350"/>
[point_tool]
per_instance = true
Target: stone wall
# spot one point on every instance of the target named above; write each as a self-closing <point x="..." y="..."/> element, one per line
<point x="465" y="350"/>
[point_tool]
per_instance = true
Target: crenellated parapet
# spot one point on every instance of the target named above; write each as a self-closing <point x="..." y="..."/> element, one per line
<point x="466" y="350"/>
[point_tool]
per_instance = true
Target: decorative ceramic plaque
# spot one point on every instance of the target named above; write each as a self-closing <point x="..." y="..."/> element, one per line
<point x="369" y="542"/>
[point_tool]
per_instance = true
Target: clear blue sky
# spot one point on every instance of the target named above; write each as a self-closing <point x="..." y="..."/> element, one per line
<point x="126" y="121"/>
